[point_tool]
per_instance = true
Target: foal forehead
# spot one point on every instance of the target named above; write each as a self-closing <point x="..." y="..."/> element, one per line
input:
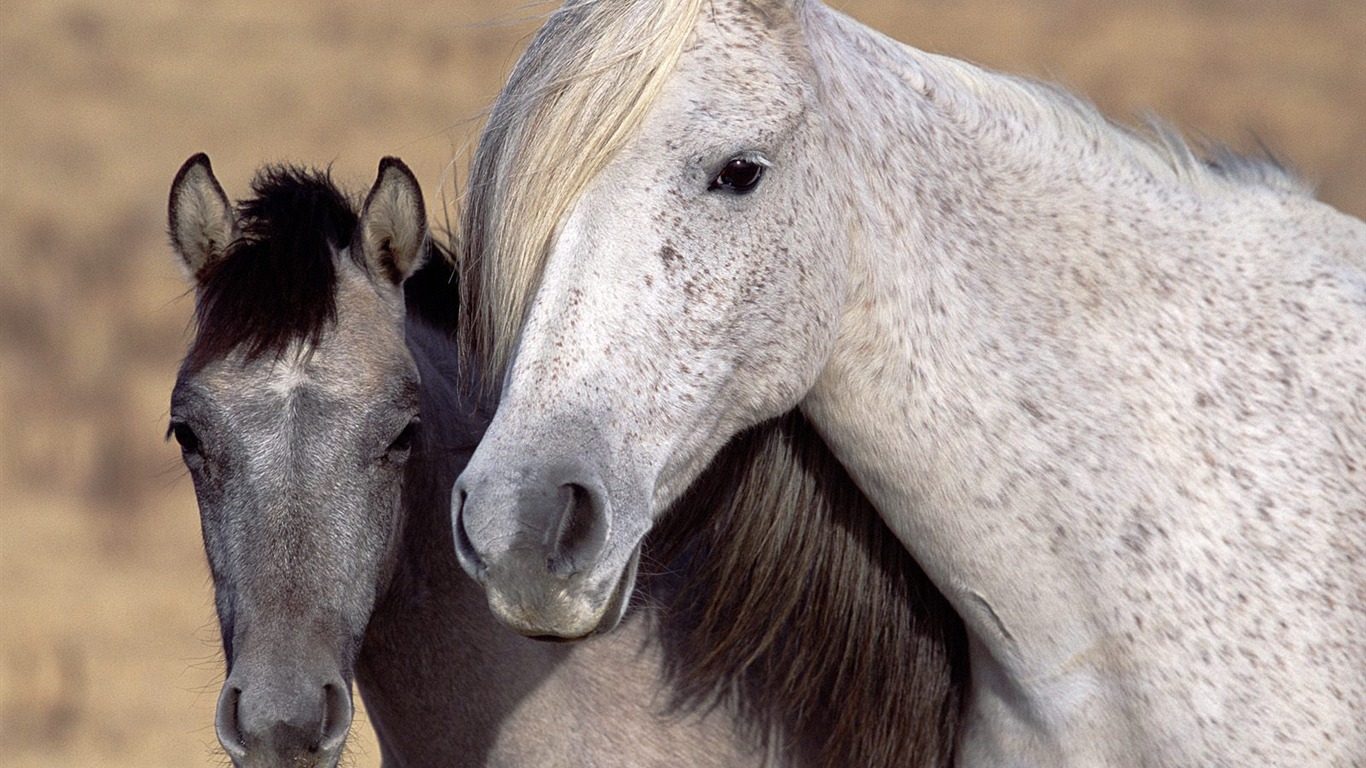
<point x="306" y="372"/>
<point x="288" y="374"/>
<point x="361" y="356"/>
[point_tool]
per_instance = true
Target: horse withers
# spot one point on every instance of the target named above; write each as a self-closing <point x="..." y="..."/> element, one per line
<point x="323" y="417"/>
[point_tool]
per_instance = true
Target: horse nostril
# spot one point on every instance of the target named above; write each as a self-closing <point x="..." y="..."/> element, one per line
<point x="227" y="725"/>
<point x="581" y="532"/>
<point x="465" y="552"/>
<point x="337" y="714"/>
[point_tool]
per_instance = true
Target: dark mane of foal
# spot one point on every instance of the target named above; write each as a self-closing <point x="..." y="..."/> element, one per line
<point x="277" y="282"/>
<point x="800" y="611"/>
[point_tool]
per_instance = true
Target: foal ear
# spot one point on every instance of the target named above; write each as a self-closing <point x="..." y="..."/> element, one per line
<point x="393" y="223"/>
<point x="200" y="217"/>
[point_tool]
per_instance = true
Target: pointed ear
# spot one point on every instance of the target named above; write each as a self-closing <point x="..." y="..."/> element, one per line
<point x="393" y="224"/>
<point x="200" y="216"/>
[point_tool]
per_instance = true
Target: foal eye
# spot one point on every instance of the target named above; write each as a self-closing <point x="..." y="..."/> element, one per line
<point x="404" y="441"/>
<point x="740" y="176"/>
<point x="188" y="440"/>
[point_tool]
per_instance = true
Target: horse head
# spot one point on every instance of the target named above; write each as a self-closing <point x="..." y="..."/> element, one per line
<point x="296" y="411"/>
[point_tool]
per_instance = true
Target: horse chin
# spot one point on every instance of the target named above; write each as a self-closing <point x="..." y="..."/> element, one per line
<point x="571" y="620"/>
<point x="621" y="596"/>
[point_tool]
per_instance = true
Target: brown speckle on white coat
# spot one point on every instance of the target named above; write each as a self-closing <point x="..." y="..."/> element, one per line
<point x="1113" y="399"/>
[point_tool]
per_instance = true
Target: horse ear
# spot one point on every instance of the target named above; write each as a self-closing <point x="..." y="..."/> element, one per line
<point x="393" y="223"/>
<point x="200" y="217"/>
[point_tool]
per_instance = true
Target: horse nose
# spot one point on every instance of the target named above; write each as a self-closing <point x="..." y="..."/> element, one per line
<point x="559" y="521"/>
<point x="575" y="539"/>
<point x="266" y="725"/>
<point x="534" y="537"/>
<point x="465" y="552"/>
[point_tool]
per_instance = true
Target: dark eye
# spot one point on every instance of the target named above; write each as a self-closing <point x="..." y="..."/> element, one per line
<point x="189" y="441"/>
<point x="740" y="176"/>
<point x="404" y="441"/>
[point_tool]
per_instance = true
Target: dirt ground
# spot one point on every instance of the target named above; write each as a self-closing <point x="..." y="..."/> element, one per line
<point x="108" y="648"/>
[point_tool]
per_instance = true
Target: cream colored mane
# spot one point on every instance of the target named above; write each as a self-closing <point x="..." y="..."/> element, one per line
<point x="576" y="95"/>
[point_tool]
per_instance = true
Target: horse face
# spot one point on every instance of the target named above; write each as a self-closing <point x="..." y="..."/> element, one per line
<point x="297" y="465"/>
<point x="297" y="459"/>
<point x="692" y="291"/>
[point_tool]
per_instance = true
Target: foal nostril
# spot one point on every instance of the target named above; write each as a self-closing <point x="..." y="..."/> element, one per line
<point x="581" y="531"/>
<point x="465" y="553"/>
<point x="227" y="725"/>
<point x="337" y="713"/>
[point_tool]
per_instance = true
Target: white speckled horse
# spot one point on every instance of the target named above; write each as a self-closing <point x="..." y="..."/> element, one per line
<point x="1110" y="394"/>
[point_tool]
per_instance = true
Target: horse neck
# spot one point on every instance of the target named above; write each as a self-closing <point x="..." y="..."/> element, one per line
<point x="1066" y="323"/>
<point x="424" y="667"/>
<point x="956" y="207"/>
<point x="1014" y="245"/>
<point x="981" y="196"/>
<point x="452" y="421"/>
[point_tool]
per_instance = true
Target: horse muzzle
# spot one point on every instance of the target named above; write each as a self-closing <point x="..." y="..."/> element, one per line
<point x="283" y="719"/>
<point x="564" y="613"/>
<point x="537" y="540"/>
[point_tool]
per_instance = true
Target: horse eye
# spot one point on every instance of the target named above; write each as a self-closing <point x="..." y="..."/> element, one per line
<point x="740" y="176"/>
<point x="189" y="441"/>
<point x="404" y="441"/>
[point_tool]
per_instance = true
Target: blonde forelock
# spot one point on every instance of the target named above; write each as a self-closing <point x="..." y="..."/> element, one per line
<point x="576" y="95"/>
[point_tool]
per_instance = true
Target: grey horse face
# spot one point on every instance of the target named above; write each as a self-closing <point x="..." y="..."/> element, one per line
<point x="299" y="485"/>
<point x="297" y="447"/>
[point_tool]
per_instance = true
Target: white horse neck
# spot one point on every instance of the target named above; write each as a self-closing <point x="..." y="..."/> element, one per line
<point x="1115" y="404"/>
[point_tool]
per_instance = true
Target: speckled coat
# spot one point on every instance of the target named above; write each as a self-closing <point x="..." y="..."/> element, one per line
<point x="1112" y="396"/>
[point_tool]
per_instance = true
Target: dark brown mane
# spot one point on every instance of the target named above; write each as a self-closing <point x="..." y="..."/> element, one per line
<point x="276" y="283"/>
<point x="800" y="610"/>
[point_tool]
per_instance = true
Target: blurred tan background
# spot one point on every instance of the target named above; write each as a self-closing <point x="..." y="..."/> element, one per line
<point x="108" y="647"/>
